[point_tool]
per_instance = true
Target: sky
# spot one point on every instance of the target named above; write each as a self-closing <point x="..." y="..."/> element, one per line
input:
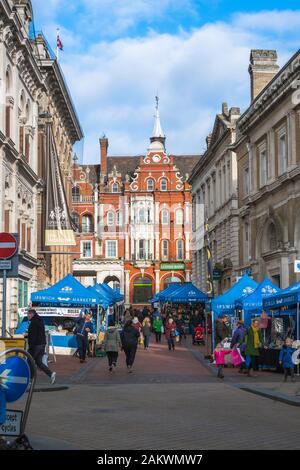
<point x="119" y="54"/>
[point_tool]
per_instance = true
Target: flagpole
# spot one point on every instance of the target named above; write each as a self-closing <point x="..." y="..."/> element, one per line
<point x="57" y="48"/>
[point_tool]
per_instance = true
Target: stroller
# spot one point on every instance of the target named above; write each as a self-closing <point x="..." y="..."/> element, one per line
<point x="199" y="335"/>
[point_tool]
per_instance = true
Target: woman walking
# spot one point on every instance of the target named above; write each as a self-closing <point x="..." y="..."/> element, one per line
<point x="130" y="336"/>
<point x="170" y="333"/>
<point x="254" y="341"/>
<point x="158" y="328"/>
<point x="146" y="330"/>
<point x="112" y="344"/>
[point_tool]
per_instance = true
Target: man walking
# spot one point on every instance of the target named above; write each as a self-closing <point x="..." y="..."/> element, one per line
<point x="37" y="342"/>
<point x="83" y="327"/>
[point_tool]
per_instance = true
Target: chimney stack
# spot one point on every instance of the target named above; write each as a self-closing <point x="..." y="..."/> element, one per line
<point x="103" y="152"/>
<point x="263" y="67"/>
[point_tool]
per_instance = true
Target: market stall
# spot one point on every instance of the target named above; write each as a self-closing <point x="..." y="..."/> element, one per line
<point x="225" y="304"/>
<point x="60" y="306"/>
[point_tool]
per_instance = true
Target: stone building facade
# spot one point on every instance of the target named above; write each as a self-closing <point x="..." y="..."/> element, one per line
<point x="215" y="200"/>
<point x="268" y="156"/>
<point x="134" y="220"/>
<point x="26" y="91"/>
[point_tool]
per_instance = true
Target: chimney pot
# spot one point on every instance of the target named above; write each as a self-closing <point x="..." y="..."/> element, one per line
<point x="262" y="69"/>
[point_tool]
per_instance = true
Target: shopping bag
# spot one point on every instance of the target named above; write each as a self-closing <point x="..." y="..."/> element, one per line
<point x="236" y="357"/>
<point x="45" y="359"/>
<point x="162" y="329"/>
<point x="177" y="339"/>
<point x="141" y="340"/>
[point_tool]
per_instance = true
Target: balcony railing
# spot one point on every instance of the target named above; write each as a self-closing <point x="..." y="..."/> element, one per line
<point x="81" y="199"/>
<point x="142" y="257"/>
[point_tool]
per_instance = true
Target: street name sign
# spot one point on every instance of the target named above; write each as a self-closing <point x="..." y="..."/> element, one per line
<point x="14" y="377"/>
<point x="12" y="425"/>
<point x="5" y="264"/>
<point x="8" y="245"/>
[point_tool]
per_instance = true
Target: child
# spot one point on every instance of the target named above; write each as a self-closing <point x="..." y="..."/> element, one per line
<point x="219" y="354"/>
<point x="285" y="358"/>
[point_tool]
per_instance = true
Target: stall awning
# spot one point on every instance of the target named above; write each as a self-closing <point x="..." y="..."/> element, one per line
<point x="68" y="291"/>
<point x="160" y="296"/>
<point x="186" y="293"/>
<point x="288" y="296"/>
<point x="225" y="304"/>
<point x="254" y="301"/>
<point x="114" y="292"/>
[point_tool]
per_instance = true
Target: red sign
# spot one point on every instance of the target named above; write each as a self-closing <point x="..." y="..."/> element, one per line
<point x="8" y="245"/>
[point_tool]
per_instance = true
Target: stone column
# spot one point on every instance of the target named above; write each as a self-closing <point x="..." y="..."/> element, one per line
<point x="291" y="128"/>
<point x="188" y="275"/>
<point x="157" y="287"/>
<point x="127" y="288"/>
<point x="284" y="271"/>
<point x="271" y="154"/>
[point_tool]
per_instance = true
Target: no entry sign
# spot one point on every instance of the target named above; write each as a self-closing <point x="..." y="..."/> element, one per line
<point x="8" y="245"/>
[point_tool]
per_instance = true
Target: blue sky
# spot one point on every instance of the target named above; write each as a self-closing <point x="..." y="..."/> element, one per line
<point x="118" y="53"/>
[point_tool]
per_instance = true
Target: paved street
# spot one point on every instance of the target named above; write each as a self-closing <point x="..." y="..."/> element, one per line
<point x="171" y="401"/>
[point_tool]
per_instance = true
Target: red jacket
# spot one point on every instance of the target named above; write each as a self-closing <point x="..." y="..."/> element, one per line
<point x="169" y="327"/>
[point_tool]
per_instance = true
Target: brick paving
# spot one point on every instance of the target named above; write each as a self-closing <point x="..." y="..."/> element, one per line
<point x="171" y="401"/>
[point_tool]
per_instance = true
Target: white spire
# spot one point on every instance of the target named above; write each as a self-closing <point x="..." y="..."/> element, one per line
<point x="157" y="130"/>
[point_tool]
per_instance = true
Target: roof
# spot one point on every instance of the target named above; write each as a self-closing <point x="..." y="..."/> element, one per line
<point x="225" y="304"/>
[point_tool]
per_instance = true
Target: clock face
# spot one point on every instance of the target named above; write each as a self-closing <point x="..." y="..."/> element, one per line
<point x="156" y="158"/>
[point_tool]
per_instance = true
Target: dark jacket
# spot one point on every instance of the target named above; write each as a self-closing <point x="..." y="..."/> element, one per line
<point x="130" y="337"/>
<point x="81" y="326"/>
<point x="222" y="331"/>
<point x="238" y="337"/>
<point x="36" y="332"/>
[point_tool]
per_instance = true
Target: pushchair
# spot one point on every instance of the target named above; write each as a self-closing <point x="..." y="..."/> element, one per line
<point x="199" y="335"/>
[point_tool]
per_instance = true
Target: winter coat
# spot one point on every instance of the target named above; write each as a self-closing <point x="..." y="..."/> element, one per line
<point x="285" y="357"/>
<point x="112" y="340"/>
<point x="222" y="331"/>
<point x="81" y="327"/>
<point x="238" y="337"/>
<point x="169" y="328"/>
<point x="250" y="349"/>
<point x="146" y="329"/>
<point x="220" y="356"/>
<point x="130" y="337"/>
<point x="137" y="326"/>
<point x="36" y="332"/>
<point x="157" y="325"/>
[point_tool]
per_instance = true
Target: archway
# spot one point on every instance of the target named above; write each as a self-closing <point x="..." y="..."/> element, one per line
<point x="170" y="280"/>
<point x="113" y="282"/>
<point x="142" y="290"/>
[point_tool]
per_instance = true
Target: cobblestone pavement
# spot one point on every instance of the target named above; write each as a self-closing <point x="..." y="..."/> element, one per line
<point x="171" y="401"/>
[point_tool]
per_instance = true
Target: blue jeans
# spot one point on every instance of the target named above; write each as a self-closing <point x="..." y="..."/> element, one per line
<point x="171" y="343"/>
<point x="146" y="341"/>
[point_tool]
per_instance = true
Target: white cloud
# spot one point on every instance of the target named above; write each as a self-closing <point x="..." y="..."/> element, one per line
<point x="275" y="21"/>
<point x="113" y="83"/>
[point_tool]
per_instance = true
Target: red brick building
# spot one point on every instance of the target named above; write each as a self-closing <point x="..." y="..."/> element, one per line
<point x="134" y="220"/>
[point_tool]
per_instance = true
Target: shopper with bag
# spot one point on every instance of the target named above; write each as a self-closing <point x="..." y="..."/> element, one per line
<point x="254" y="341"/>
<point x="83" y="327"/>
<point x="112" y="344"/>
<point x="170" y="330"/>
<point x="37" y="342"/>
<point x="238" y="342"/>
<point x="146" y="330"/>
<point x="130" y="337"/>
<point x="158" y="328"/>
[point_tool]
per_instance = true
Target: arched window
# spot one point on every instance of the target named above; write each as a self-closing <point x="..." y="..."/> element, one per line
<point x="76" y="194"/>
<point x="179" y="217"/>
<point x="142" y="216"/>
<point x="110" y="218"/>
<point x="87" y="223"/>
<point x="115" y="188"/>
<point x="165" y="217"/>
<point x="165" y="249"/>
<point x="180" y="249"/>
<point x="171" y="280"/>
<point x="8" y="109"/>
<point x="163" y="184"/>
<point x="272" y="237"/>
<point x="150" y="184"/>
<point x="75" y="220"/>
<point x="142" y="290"/>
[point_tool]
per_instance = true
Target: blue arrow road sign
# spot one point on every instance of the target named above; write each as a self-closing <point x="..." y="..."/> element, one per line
<point x="14" y="377"/>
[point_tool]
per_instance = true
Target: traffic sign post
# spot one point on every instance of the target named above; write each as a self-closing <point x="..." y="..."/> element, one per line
<point x="8" y="248"/>
<point x="17" y="373"/>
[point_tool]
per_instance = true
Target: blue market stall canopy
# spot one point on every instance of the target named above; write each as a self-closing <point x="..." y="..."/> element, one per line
<point x="67" y="291"/>
<point x="254" y="301"/>
<point x="225" y="304"/>
<point x="288" y="296"/>
<point x="106" y="299"/>
<point x="186" y="293"/>
<point x="114" y="292"/>
<point x="160" y="297"/>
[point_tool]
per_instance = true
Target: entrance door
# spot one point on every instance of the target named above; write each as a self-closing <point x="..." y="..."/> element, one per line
<point x="142" y="290"/>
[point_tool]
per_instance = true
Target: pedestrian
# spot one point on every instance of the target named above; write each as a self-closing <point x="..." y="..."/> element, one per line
<point x="219" y="355"/>
<point x="127" y="316"/>
<point x="254" y="341"/>
<point x="37" y="342"/>
<point x="146" y="330"/>
<point x="238" y="341"/>
<point x="129" y="337"/>
<point x="137" y="324"/>
<point x="158" y="328"/>
<point x="170" y="331"/>
<point x="194" y="321"/>
<point x="285" y="359"/>
<point x="222" y="329"/>
<point x="180" y="325"/>
<point x="83" y="327"/>
<point x="112" y="344"/>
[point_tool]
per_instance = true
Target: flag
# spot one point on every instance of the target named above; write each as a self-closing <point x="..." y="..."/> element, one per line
<point x="209" y="279"/>
<point x="59" y="44"/>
